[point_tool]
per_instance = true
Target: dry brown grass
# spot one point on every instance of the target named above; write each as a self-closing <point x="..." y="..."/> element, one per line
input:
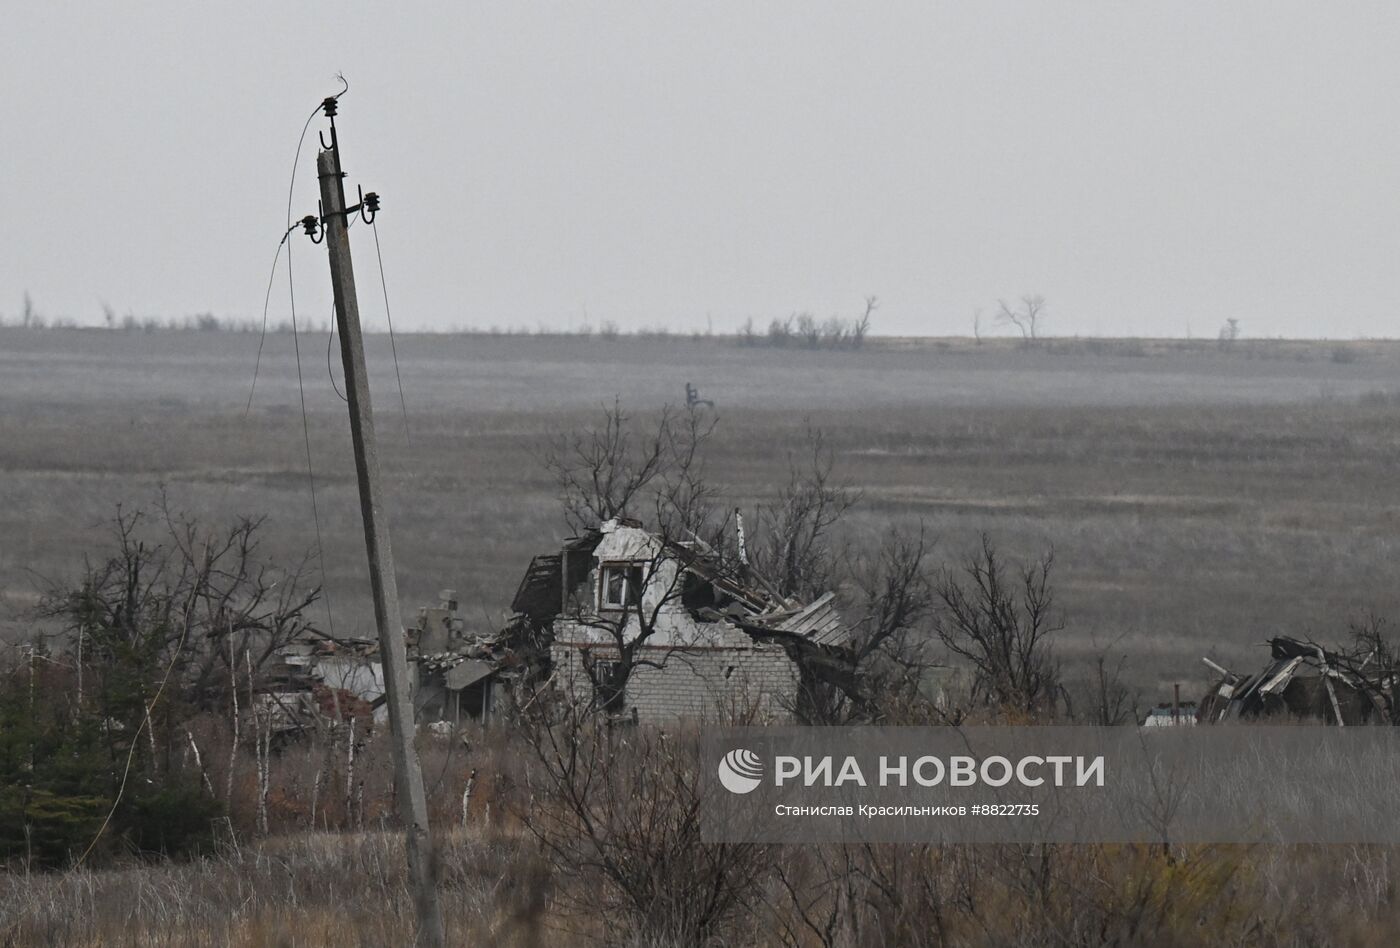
<point x="304" y="890"/>
<point x="348" y="889"/>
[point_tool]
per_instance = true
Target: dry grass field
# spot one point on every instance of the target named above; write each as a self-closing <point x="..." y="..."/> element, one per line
<point x="1199" y="499"/>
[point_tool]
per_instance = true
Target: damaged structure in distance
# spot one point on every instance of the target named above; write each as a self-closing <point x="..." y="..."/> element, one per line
<point x="646" y="628"/>
<point x="1303" y="680"/>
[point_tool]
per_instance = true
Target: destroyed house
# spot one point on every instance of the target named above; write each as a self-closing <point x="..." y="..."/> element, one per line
<point x="1302" y="681"/>
<point x="710" y="643"/>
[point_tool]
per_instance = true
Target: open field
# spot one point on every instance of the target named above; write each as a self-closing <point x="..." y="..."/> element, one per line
<point x="1199" y="499"/>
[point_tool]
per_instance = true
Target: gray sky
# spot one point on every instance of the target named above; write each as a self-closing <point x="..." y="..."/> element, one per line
<point x="1150" y="169"/>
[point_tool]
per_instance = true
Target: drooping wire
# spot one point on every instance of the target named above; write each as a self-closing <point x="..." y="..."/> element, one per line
<point x="301" y="386"/>
<point x="306" y="437"/>
<point x="393" y="346"/>
<point x="291" y="185"/>
<point x="296" y="345"/>
<point x="267" y="299"/>
<point x="330" y="339"/>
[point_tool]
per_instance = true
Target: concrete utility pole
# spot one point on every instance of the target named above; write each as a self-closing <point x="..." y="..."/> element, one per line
<point x="413" y="804"/>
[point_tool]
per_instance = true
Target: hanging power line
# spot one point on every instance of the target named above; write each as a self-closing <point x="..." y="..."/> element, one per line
<point x="393" y="346"/>
<point x="291" y="185"/>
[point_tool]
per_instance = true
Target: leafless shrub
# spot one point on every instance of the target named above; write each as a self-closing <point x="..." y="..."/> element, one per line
<point x="616" y="812"/>
<point x="807" y="330"/>
<point x="1372" y="664"/>
<point x="1104" y="698"/>
<point x="1003" y="626"/>
<point x="834" y="333"/>
<point x="780" y="332"/>
<point x="178" y="594"/>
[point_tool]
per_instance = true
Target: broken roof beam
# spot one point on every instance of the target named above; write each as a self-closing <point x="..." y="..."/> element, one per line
<point x="1220" y="668"/>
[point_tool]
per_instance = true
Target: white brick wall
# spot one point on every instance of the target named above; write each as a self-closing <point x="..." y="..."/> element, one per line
<point x="708" y="684"/>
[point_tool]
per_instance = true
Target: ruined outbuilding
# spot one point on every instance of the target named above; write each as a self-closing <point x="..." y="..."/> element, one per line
<point x="457" y="675"/>
<point x="1302" y="680"/>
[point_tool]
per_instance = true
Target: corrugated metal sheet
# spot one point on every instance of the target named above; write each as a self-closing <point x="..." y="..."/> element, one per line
<point x="468" y="673"/>
<point x="818" y="621"/>
<point x="539" y="591"/>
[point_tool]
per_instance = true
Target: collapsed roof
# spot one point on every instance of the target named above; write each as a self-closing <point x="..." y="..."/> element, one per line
<point x="712" y="591"/>
<point x="1301" y="680"/>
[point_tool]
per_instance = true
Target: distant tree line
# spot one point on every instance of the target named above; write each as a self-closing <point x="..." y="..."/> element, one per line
<point x="30" y="317"/>
<point x="805" y="331"/>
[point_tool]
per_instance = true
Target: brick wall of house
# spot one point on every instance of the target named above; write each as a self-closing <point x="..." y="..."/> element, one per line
<point x="707" y="684"/>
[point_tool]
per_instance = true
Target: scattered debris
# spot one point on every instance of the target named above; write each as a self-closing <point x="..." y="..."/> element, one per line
<point x="1302" y="680"/>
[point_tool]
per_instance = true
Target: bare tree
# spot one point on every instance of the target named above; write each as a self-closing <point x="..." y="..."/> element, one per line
<point x="1027" y="317"/>
<point x="794" y="546"/>
<point x="809" y="330"/>
<point x="1003" y="626"/>
<point x="861" y="326"/>
<point x="610" y="472"/>
<point x="891" y="647"/>
<point x="651" y="586"/>
<point x="877" y="675"/>
<point x="177" y="595"/>
<point x="603" y="472"/>
<point x="1229" y="332"/>
<point x="1372" y="665"/>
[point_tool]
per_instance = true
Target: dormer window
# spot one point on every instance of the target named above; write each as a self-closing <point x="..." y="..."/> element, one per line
<point x="619" y="586"/>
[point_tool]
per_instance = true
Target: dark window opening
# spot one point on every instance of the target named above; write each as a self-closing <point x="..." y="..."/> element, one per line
<point x="619" y="585"/>
<point x="697" y="593"/>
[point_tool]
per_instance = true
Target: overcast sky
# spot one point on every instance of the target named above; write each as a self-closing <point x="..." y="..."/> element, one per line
<point x="1149" y="169"/>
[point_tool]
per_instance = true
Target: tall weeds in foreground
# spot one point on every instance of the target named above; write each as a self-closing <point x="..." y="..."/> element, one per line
<point x="310" y="889"/>
<point x="500" y="887"/>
